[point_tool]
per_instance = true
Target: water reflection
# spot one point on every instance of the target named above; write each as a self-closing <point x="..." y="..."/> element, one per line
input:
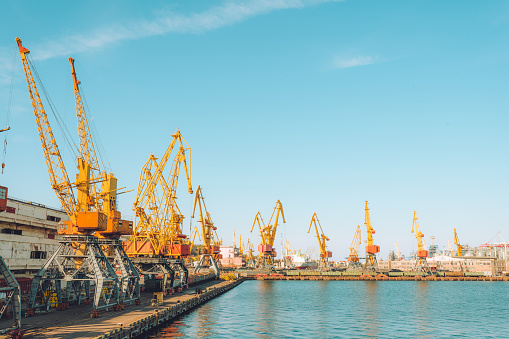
<point x="264" y="312"/>
<point x="422" y="306"/>
<point x="349" y="309"/>
<point x="372" y="308"/>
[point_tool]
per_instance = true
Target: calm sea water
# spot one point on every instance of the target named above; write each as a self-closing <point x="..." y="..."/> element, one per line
<point x="351" y="309"/>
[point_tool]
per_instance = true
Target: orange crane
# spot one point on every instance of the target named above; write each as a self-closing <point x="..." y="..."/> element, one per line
<point x="207" y="227"/>
<point x="324" y="254"/>
<point x="79" y="260"/>
<point x="371" y="249"/>
<point x="268" y="234"/>
<point x="421" y="263"/>
<point x="458" y="245"/>
<point x="353" y="258"/>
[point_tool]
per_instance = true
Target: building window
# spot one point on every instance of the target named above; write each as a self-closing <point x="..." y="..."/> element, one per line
<point x="37" y="255"/>
<point x="11" y="231"/>
<point x="2" y="193"/>
<point x="52" y="218"/>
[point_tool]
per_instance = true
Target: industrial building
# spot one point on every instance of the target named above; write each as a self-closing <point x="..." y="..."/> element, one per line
<point x="29" y="234"/>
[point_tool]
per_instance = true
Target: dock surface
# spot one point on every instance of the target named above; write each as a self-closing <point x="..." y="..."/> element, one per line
<point x="131" y="322"/>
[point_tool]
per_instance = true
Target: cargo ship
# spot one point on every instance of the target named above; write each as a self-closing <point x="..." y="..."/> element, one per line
<point x="302" y="261"/>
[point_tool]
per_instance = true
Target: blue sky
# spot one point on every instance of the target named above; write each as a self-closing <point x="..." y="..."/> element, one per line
<point x="321" y="104"/>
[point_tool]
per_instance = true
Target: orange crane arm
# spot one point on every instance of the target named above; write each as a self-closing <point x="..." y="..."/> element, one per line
<point x="321" y="237"/>
<point x="56" y="169"/>
<point x="272" y="228"/>
<point x="458" y="245"/>
<point x="258" y="219"/>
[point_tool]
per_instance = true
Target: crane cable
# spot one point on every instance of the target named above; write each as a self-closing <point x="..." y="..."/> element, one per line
<point x="63" y="128"/>
<point x="8" y="111"/>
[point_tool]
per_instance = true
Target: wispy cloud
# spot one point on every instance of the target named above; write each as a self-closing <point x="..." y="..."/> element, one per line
<point x="229" y="13"/>
<point x="354" y="62"/>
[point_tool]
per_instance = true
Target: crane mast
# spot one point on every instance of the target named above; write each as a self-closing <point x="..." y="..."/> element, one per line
<point x="353" y="258"/>
<point x="371" y="249"/>
<point x="421" y="263"/>
<point x="324" y="254"/>
<point x="268" y="234"/>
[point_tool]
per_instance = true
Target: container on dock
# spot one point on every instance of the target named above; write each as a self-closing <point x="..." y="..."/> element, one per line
<point x="158" y="296"/>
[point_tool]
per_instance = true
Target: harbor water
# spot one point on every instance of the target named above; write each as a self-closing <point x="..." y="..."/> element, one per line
<point x="350" y="309"/>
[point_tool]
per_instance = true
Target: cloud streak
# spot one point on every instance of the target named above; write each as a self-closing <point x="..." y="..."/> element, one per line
<point x="354" y="62"/>
<point x="229" y="13"/>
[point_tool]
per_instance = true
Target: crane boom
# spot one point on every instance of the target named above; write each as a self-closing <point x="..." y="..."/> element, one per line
<point x="56" y="168"/>
<point x="87" y="148"/>
<point x="324" y="254"/>
<point x="355" y="246"/>
<point x="207" y="226"/>
<point x="458" y="245"/>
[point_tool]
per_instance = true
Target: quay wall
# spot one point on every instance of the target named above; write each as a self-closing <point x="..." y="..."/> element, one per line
<point x="163" y="316"/>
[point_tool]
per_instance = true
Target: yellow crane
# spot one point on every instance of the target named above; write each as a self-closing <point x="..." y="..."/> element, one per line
<point x="79" y="260"/>
<point x="324" y="254"/>
<point x="158" y="220"/>
<point x="355" y="247"/>
<point x="102" y="192"/>
<point x="268" y="234"/>
<point x="207" y="233"/>
<point x="371" y="248"/>
<point x="250" y="258"/>
<point x="421" y="263"/>
<point x="458" y="245"/>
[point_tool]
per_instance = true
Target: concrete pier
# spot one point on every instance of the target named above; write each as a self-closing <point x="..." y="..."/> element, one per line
<point x="131" y="322"/>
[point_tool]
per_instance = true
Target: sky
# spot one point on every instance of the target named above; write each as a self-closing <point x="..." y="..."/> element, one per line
<point x="321" y="104"/>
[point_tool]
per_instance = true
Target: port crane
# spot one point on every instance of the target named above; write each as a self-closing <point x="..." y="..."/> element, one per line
<point x="324" y="254"/>
<point x="207" y="227"/>
<point x="157" y="244"/>
<point x="353" y="258"/>
<point x="398" y="253"/>
<point x="371" y="249"/>
<point x="102" y="195"/>
<point x="421" y="263"/>
<point x="458" y="245"/>
<point x="250" y="258"/>
<point x="79" y="260"/>
<point x="268" y="234"/>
